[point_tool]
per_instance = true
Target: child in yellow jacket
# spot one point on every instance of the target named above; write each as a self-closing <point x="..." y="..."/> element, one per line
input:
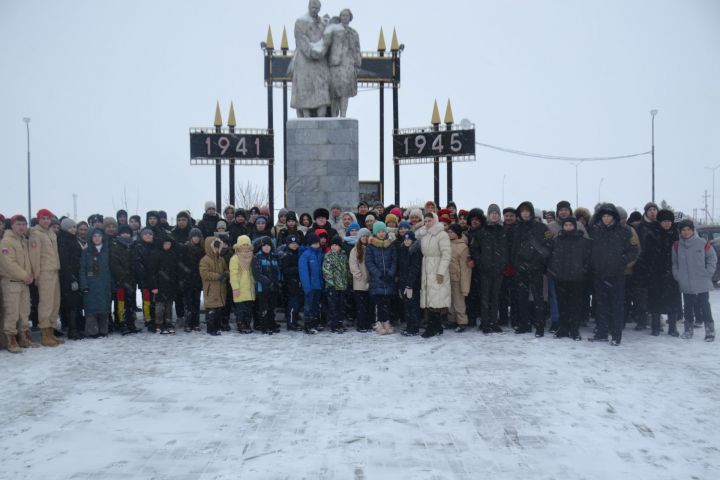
<point x="243" y="283"/>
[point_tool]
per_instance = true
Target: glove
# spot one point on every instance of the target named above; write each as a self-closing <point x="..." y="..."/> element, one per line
<point x="74" y="286"/>
<point x="440" y="278"/>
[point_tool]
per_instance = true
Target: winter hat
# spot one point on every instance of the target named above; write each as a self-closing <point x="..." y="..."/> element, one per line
<point x="261" y="219"/>
<point x="242" y="241"/>
<point x="456" y="229"/>
<point x="379" y="204"/>
<point x="321" y="232"/>
<point x="635" y="217"/>
<point x="290" y="215"/>
<point x="538" y="213"/>
<point x="493" y="208"/>
<point x="335" y="205"/>
<point x="665" y="215"/>
<point x="255" y="210"/>
<point x="221" y="224"/>
<point x="451" y="204"/>
<point x="17" y="218"/>
<point x="370" y="215"/>
<point x="650" y="205"/>
<point x="390" y="218"/>
<point x="476" y="213"/>
<point x="292" y="239"/>
<point x="686" y="224"/>
<point x="430" y="203"/>
<point x="445" y="219"/>
<point x="107" y="221"/>
<point x="570" y="219"/>
<point x="404" y="224"/>
<point x="124" y="229"/>
<point x="265" y="211"/>
<point x="462" y="213"/>
<point x="364" y="232"/>
<point x="509" y="210"/>
<point x="183" y="214"/>
<point x="283" y="213"/>
<point x="265" y="241"/>
<point x="336" y="240"/>
<point x="397" y="212"/>
<point x="229" y="207"/>
<point x="548" y="215"/>
<point x="563" y="204"/>
<point x="121" y="213"/>
<point x="44" y="212"/>
<point x="147" y="231"/>
<point x="240" y="212"/>
<point x="409" y="235"/>
<point x="379" y="227"/>
<point x="622" y="212"/>
<point x="209" y="205"/>
<point x="352" y="226"/>
<point x="312" y="238"/>
<point x="195" y="232"/>
<point x="162" y="214"/>
<point x="415" y="212"/>
<point x="321" y="212"/>
<point x="444" y="211"/>
<point x="67" y="223"/>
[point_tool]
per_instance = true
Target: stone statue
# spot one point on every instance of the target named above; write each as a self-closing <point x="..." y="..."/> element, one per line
<point x="310" y="72"/>
<point x="344" y="61"/>
<point x="326" y="63"/>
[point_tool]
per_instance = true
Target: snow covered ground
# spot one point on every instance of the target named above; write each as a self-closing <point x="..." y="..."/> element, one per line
<point x="360" y="406"/>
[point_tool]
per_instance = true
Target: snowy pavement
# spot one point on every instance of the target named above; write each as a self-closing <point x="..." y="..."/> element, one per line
<point x="361" y="406"/>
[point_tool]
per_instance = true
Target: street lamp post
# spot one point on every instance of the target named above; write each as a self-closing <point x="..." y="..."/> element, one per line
<point x="502" y="197"/>
<point x="27" y="127"/>
<point x="713" y="169"/>
<point x="599" y="187"/>
<point x="652" y="116"/>
<point x="577" y="164"/>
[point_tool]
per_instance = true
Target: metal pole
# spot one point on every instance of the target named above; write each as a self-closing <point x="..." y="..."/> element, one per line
<point x="577" y="203"/>
<point x="502" y="198"/>
<point x="232" y="175"/>
<point x="599" y="187"/>
<point x="285" y="120"/>
<point x="382" y="139"/>
<point x="396" y="126"/>
<point x="27" y="127"/>
<point x="448" y="159"/>
<point x="652" y="116"/>
<point x="436" y="174"/>
<point x="218" y="179"/>
<point x="271" y="170"/>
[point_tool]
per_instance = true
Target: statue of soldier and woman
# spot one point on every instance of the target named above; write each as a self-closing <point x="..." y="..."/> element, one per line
<point x="325" y="65"/>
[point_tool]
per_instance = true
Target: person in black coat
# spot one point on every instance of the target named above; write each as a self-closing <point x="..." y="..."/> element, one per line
<point x="663" y="290"/>
<point x="613" y="249"/>
<point x="291" y="281"/>
<point x="492" y="262"/>
<point x="121" y="258"/>
<point x="531" y="249"/>
<point x="239" y="226"/>
<point x="165" y="272"/>
<point x="291" y="229"/>
<point x="71" y="298"/>
<point x="508" y="288"/>
<point x="208" y="224"/>
<point x="647" y="229"/>
<point x="568" y="267"/>
<point x="144" y="259"/>
<point x="190" y="255"/>
<point x="476" y="222"/>
<point x="321" y="216"/>
<point x="409" y="268"/>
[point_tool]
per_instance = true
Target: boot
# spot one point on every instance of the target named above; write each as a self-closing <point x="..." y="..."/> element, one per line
<point x="672" y="325"/>
<point x="26" y="340"/>
<point x="12" y="344"/>
<point x="47" y="339"/>
<point x="309" y="326"/>
<point x="433" y="326"/>
<point x="641" y="322"/>
<point x="655" y="325"/>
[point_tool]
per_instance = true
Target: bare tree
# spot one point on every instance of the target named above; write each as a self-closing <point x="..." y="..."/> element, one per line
<point x="249" y="195"/>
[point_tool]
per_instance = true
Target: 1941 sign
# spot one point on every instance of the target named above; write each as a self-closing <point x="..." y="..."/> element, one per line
<point x="427" y="143"/>
<point x="232" y="145"/>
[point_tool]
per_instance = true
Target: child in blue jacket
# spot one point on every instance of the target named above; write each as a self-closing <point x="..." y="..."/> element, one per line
<point x="310" y="266"/>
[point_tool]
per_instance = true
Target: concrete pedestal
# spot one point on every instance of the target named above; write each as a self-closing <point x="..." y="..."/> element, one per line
<point x="322" y="163"/>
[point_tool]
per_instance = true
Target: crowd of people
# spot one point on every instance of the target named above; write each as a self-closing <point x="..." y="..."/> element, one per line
<point x="374" y="269"/>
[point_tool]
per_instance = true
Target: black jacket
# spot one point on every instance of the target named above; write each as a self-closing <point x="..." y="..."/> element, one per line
<point x="166" y="274"/>
<point x="409" y="267"/>
<point x="532" y="242"/>
<point x="144" y="261"/>
<point x="613" y="247"/>
<point x="121" y="263"/>
<point x="290" y="271"/>
<point x="69" y="251"/>
<point x="663" y="290"/>
<point x="189" y="257"/>
<point x="570" y="259"/>
<point x="208" y="224"/>
<point x="237" y="230"/>
<point x="493" y="249"/>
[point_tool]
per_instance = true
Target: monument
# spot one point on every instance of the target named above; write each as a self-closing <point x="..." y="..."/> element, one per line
<point x="322" y="145"/>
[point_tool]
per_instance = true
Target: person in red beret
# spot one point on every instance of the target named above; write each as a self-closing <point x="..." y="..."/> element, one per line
<point x="430" y="207"/>
<point x="46" y="267"/>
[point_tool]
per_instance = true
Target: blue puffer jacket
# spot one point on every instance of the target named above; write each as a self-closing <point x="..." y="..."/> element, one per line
<point x="310" y="267"/>
<point x="381" y="265"/>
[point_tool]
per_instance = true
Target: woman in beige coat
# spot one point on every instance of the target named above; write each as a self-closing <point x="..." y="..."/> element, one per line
<point x="435" y="278"/>
<point x="360" y="282"/>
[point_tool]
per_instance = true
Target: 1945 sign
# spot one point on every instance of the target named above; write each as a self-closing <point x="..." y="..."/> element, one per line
<point x="232" y="145"/>
<point x="425" y="143"/>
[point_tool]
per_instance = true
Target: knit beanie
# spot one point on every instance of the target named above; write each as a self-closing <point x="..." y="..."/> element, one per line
<point x="379" y="227"/>
<point x="622" y="212"/>
<point x="146" y="231"/>
<point x="397" y="212"/>
<point x="195" y="232"/>
<point x="336" y="240"/>
<point x="686" y="224"/>
<point x="364" y="232"/>
<point x="210" y="204"/>
<point x="390" y="218"/>
<point x="665" y="215"/>
<point x="410" y="235"/>
<point x="67" y="223"/>
<point x="312" y="238"/>
<point x="183" y="214"/>
<point x="493" y="208"/>
<point x="107" y="221"/>
<point x="352" y="226"/>
<point x="404" y="224"/>
<point x="634" y="217"/>
<point x="650" y="205"/>
<point x="290" y="215"/>
<point x="563" y="204"/>
<point x="222" y="224"/>
<point x="283" y="213"/>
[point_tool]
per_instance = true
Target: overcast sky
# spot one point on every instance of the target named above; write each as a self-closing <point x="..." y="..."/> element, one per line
<point x="113" y="86"/>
